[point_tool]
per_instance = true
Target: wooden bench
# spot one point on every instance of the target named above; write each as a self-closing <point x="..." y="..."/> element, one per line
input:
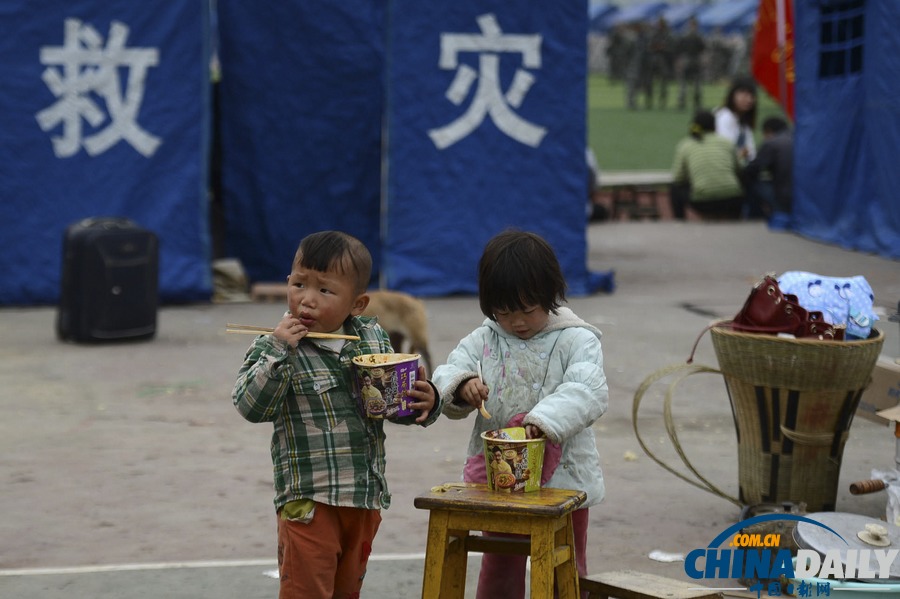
<point x="629" y="584"/>
<point x="635" y="194"/>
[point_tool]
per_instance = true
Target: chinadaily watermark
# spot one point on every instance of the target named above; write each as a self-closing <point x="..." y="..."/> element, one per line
<point x="770" y="569"/>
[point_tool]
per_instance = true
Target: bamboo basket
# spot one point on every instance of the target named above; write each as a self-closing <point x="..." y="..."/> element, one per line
<point x="793" y="401"/>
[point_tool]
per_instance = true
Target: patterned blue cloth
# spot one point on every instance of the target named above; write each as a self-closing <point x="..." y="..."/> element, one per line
<point x="841" y="300"/>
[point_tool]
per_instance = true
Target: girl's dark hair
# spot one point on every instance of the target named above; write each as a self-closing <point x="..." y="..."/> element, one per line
<point x="517" y="270"/>
<point x="334" y="250"/>
<point x="704" y="122"/>
<point x="746" y="84"/>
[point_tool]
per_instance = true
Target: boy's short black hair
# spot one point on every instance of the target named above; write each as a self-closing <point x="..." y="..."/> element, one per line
<point x="338" y="251"/>
<point x="519" y="269"/>
<point x="774" y="124"/>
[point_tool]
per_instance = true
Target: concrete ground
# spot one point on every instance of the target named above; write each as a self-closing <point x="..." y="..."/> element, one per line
<point x="127" y="473"/>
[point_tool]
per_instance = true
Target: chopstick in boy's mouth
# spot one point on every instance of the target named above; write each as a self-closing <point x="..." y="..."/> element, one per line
<point x="254" y="330"/>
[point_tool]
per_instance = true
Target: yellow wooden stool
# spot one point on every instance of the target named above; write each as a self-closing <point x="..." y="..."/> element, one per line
<point x="458" y="508"/>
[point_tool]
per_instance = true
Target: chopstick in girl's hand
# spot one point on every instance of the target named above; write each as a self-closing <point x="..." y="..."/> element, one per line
<point x="481" y="408"/>
<point x="253" y="330"/>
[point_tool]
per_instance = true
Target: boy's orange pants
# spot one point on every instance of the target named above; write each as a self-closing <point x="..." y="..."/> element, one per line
<point x="326" y="558"/>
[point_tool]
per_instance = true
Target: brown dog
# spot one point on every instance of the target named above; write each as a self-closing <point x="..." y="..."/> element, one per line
<point x="403" y="317"/>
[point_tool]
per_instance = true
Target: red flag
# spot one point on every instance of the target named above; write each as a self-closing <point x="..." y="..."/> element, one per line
<point x="772" y="62"/>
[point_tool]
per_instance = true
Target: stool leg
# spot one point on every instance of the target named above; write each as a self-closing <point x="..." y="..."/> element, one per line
<point x="542" y="546"/>
<point x="434" y="554"/>
<point x="453" y="580"/>
<point x="567" y="572"/>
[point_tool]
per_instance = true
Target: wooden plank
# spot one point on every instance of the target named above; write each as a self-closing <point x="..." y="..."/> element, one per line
<point x="542" y="567"/>
<point x="434" y="554"/>
<point x="613" y="179"/>
<point x="268" y="292"/>
<point x="453" y="577"/>
<point x="500" y="545"/>
<point x="567" y="571"/>
<point x="498" y="522"/>
<point x="545" y="502"/>
<point x="630" y="584"/>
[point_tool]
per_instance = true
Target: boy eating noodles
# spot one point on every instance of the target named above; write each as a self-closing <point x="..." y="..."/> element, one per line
<point x="328" y="457"/>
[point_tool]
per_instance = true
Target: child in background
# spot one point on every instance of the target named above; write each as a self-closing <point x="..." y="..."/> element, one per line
<point x="543" y="367"/>
<point x="328" y="457"/>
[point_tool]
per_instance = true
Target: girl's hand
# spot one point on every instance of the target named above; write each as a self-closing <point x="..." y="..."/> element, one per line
<point x="473" y="392"/>
<point x="423" y="394"/>
<point x="289" y="330"/>
<point x="533" y="432"/>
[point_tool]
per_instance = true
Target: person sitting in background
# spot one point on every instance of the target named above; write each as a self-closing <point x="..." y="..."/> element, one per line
<point x="705" y="173"/>
<point x="596" y="212"/>
<point x="772" y="195"/>
<point x="736" y="120"/>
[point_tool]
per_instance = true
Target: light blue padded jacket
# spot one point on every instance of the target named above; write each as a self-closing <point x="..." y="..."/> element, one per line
<point x="556" y="377"/>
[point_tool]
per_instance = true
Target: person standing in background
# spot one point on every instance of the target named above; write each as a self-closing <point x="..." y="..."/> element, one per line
<point x="637" y="69"/>
<point x="662" y="51"/>
<point x="689" y="50"/>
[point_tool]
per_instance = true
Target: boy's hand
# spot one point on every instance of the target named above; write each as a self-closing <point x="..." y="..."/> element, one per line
<point x="423" y="394"/>
<point x="289" y="330"/>
<point x="473" y="392"/>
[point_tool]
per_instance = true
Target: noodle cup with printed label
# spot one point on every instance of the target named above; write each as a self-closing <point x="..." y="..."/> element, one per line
<point x="381" y="382"/>
<point x="514" y="463"/>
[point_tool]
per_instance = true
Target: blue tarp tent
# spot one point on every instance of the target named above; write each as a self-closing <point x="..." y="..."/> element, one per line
<point x="748" y="21"/>
<point x="421" y="129"/>
<point x="600" y="15"/>
<point x="677" y="16"/>
<point x="302" y="96"/>
<point x="486" y="129"/>
<point x="846" y="180"/>
<point x="644" y="11"/>
<point x="727" y="16"/>
<point x="104" y="112"/>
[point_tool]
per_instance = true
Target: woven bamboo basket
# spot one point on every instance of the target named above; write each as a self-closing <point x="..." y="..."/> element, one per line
<point x="793" y="402"/>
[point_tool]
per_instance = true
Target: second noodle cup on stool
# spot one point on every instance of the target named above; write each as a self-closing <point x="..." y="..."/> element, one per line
<point x="513" y="462"/>
<point x="382" y="381"/>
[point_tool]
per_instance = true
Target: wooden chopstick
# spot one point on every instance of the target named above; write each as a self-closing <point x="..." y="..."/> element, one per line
<point x="481" y="408"/>
<point x="253" y="330"/>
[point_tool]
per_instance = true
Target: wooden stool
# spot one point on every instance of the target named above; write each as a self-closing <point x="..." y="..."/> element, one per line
<point x="628" y="584"/>
<point x="545" y="515"/>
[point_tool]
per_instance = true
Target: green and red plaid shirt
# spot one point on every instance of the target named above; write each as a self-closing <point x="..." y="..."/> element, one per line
<point x="324" y="447"/>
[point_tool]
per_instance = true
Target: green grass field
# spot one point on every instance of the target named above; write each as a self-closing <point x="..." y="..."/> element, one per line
<point x="643" y="139"/>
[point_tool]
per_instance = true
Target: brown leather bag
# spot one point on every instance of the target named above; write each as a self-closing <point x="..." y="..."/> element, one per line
<point x="768" y="311"/>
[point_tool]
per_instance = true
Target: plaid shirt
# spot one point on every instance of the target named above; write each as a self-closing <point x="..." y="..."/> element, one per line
<point x="324" y="447"/>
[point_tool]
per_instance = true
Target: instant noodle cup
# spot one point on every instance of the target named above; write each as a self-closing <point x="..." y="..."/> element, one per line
<point x="513" y="462"/>
<point x="381" y="382"/>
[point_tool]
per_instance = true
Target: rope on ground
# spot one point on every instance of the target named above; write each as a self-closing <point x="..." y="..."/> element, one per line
<point x="685" y="371"/>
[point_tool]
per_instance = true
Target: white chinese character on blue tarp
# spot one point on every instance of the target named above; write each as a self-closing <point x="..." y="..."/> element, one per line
<point x="488" y="98"/>
<point x="83" y="66"/>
